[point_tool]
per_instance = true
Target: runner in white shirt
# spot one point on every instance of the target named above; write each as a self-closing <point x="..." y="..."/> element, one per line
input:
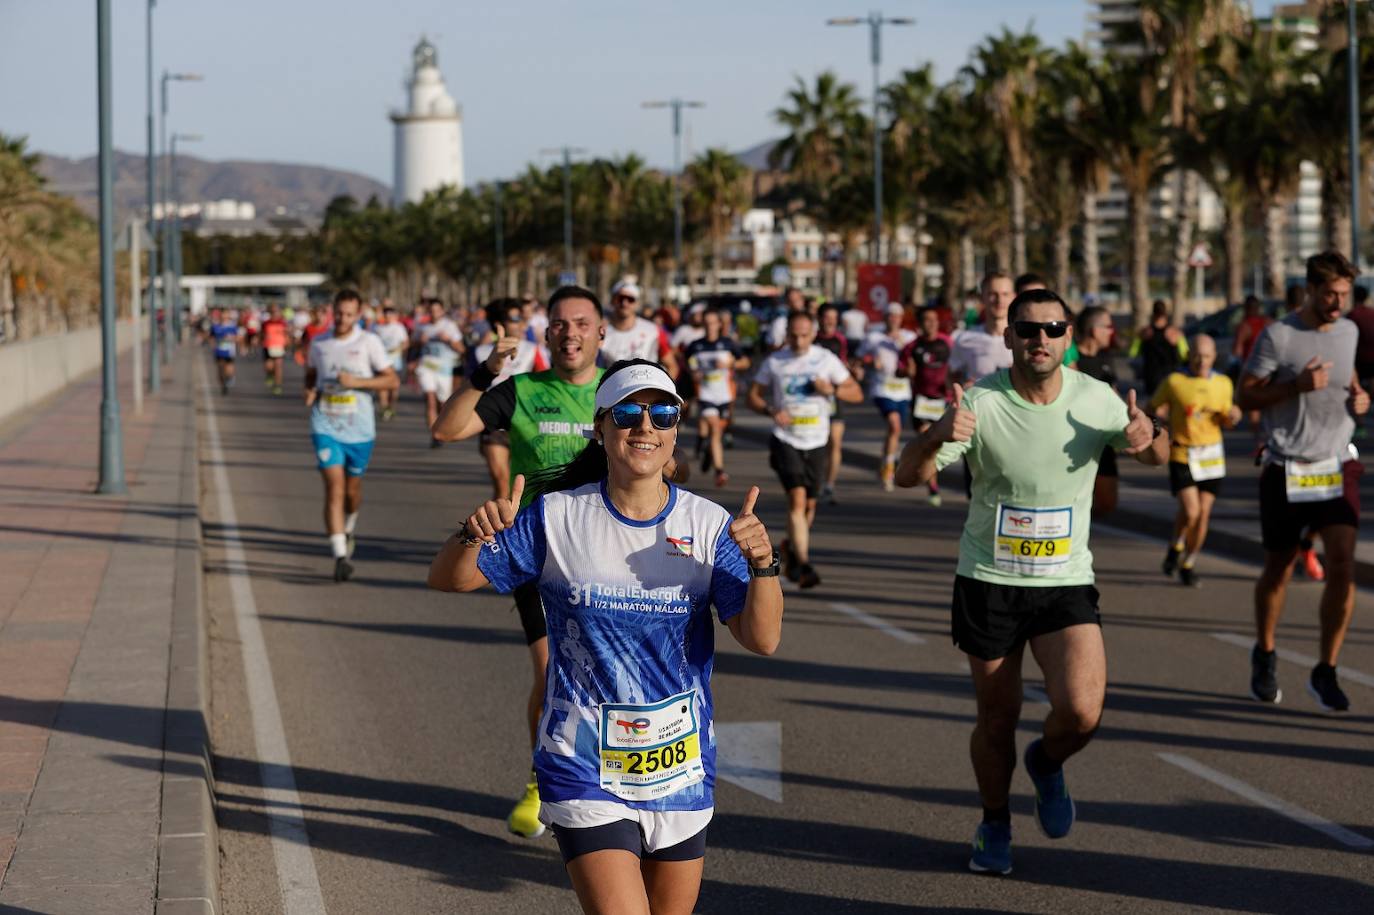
<point x="793" y="386"/>
<point x="628" y="336"/>
<point x="889" y="390"/>
<point x="715" y="361"/>
<point x="441" y="343"/>
<point x="395" y="338"/>
<point x="344" y="367"/>
<point x="981" y="350"/>
<point x="509" y="354"/>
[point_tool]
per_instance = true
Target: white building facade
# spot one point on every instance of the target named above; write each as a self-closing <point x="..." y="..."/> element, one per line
<point x="429" y="134"/>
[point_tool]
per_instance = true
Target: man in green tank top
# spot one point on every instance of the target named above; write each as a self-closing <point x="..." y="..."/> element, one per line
<point x="545" y="414"/>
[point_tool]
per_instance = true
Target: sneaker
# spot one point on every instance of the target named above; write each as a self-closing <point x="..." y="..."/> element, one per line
<point x="388" y="414"/>
<point x="352" y="542"/>
<point x="524" y="817"/>
<point x="435" y="443"/>
<point x="991" y="849"/>
<point x="1054" y="809"/>
<point x="343" y="569"/>
<point x="1188" y="578"/>
<point x="276" y="390"/>
<point x="935" y="500"/>
<point x="1313" y="566"/>
<point x="705" y="459"/>
<point x="1170" y="563"/>
<point x="728" y="440"/>
<point x="807" y="576"/>
<point x="1324" y="688"/>
<point x="828" y="494"/>
<point x="1264" y="679"/>
<point x="789" y="560"/>
<point x="722" y="478"/>
<point x="888" y="484"/>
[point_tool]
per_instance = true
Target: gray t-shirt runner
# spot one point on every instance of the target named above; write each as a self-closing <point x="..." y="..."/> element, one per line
<point x="1315" y="425"/>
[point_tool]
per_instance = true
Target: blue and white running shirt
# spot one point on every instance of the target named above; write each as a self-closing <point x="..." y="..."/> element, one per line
<point x="345" y="414"/>
<point x="627" y="707"/>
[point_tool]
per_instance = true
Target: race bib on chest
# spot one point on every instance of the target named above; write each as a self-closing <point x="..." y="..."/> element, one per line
<point x="928" y="409"/>
<point x="804" y="414"/>
<point x="1314" y="481"/>
<point x="432" y="364"/>
<point x="650" y="751"/>
<point x="1207" y="462"/>
<point x="339" y="403"/>
<point x="1032" y="541"/>
<point x="896" y="389"/>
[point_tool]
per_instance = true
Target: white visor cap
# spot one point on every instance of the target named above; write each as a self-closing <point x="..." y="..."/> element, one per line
<point x="632" y="380"/>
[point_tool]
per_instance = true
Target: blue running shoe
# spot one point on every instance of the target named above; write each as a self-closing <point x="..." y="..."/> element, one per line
<point x="991" y="849"/>
<point x="1054" y="809"/>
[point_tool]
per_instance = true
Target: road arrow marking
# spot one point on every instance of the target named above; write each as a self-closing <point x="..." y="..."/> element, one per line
<point x="749" y="756"/>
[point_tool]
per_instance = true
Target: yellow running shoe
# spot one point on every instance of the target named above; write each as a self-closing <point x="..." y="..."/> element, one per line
<point x="524" y="818"/>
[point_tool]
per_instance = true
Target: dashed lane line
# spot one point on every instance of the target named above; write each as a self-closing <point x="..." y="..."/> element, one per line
<point x="1268" y="801"/>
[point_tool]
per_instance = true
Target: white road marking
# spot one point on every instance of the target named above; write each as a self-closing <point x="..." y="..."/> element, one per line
<point x="296" y="876"/>
<point x="1248" y="642"/>
<point x="868" y="619"/>
<point x="1268" y="801"/>
<point x="749" y="755"/>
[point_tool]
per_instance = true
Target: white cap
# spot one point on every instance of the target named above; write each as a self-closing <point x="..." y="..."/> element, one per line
<point x="895" y="309"/>
<point x="632" y="380"/>
<point x="629" y="287"/>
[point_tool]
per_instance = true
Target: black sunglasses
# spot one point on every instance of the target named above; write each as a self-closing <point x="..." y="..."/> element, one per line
<point x="663" y="416"/>
<point x="1028" y="330"/>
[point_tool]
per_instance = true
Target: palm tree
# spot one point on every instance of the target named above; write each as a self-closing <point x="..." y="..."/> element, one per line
<point x="1179" y="31"/>
<point x="1267" y="89"/>
<point x="1122" y="114"/>
<point x="1067" y="182"/>
<point x="717" y="190"/>
<point x="1005" y="72"/>
<point x="1326" y="125"/>
<point x="908" y="143"/>
<point x="825" y="127"/>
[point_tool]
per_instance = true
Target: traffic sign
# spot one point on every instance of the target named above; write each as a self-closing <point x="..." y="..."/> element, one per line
<point x="1200" y="257"/>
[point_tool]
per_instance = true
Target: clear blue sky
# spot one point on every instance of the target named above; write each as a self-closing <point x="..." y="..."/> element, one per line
<point x="312" y="81"/>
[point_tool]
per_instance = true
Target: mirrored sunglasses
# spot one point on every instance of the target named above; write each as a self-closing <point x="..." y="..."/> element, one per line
<point x="663" y="416"/>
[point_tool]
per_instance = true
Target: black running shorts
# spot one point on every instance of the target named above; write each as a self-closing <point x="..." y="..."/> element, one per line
<point x="991" y="621"/>
<point x="1180" y="478"/>
<point x="795" y="467"/>
<point x="531" y="607"/>
<point x="624" y="834"/>
<point x="1282" y="523"/>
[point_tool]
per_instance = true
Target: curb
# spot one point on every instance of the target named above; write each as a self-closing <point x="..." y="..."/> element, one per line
<point x="188" y="839"/>
<point x="1223" y="542"/>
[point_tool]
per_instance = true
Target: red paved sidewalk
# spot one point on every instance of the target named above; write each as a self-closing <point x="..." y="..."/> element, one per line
<point x="87" y="587"/>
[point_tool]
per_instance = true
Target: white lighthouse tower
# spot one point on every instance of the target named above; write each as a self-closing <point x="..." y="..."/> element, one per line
<point x="429" y="136"/>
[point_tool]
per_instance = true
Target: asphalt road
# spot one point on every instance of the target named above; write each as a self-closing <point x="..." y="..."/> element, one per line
<point x="401" y="715"/>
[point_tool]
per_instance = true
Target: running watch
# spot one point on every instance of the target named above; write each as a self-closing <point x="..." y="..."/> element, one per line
<point x="768" y="571"/>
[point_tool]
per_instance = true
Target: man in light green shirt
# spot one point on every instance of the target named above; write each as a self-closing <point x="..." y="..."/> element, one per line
<point x="1032" y="435"/>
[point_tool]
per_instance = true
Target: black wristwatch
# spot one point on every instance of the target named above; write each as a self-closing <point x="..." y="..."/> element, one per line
<point x="769" y="571"/>
<point x="1159" y="426"/>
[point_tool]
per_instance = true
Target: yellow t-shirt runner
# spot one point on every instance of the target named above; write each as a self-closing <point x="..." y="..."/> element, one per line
<point x="1197" y="409"/>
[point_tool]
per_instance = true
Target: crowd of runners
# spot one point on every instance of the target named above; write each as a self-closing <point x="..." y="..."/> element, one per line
<point x="590" y="417"/>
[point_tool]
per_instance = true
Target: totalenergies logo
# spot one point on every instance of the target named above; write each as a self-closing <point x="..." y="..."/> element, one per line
<point x="1020" y="522"/>
<point x="639" y="727"/>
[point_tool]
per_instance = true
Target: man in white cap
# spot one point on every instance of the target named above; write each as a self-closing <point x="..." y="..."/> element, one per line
<point x="887" y="388"/>
<point x="629" y="336"/>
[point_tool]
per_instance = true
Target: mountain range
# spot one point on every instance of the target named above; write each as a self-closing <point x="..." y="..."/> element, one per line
<point x="299" y="189"/>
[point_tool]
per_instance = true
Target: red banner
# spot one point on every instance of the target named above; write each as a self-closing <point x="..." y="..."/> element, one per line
<point x="880" y="285"/>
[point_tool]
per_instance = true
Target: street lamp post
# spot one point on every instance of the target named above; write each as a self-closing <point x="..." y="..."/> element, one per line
<point x="174" y="317"/>
<point x="1356" y="179"/>
<point x="111" y="434"/>
<point x="176" y="221"/>
<point x="677" y="105"/>
<point x="567" y="152"/>
<point x="154" y="371"/>
<point x="875" y="22"/>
